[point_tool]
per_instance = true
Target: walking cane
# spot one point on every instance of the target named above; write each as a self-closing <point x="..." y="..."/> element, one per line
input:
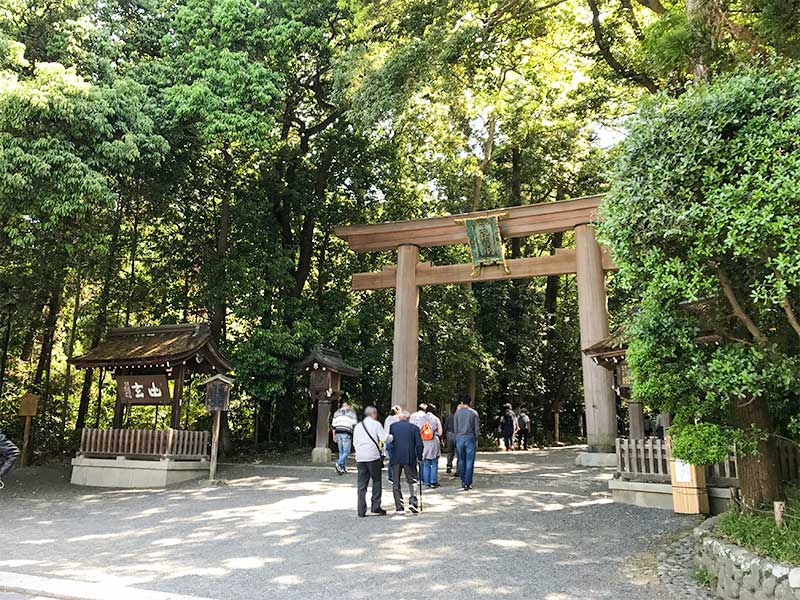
<point x="419" y="471"/>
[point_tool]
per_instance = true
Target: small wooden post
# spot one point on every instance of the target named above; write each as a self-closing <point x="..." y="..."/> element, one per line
<point x="25" y="441"/>
<point x="29" y="406"/>
<point x="558" y="427"/>
<point x="780" y="510"/>
<point x="212" y="473"/>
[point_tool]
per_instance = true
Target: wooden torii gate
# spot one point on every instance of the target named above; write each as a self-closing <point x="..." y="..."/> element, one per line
<point x="588" y="261"/>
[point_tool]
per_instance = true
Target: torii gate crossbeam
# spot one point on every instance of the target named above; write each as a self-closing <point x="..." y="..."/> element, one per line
<point x="588" y="261"/>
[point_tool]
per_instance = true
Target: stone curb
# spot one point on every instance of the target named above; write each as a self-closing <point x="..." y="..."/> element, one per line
<point x="739" y="573"/>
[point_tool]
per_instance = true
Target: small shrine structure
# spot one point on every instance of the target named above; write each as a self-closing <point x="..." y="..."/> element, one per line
<point x="143" y="361"/>
<point x="325" y="368"/>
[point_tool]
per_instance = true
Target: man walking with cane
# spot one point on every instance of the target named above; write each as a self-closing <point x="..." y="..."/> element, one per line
<point x="8" y="456"/>
<point x="406" y="454"/>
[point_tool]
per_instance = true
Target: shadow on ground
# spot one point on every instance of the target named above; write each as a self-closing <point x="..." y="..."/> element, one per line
<point x="534" y="526"/>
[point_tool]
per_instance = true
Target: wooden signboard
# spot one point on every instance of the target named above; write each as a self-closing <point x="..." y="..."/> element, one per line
<point x="29" y="405"/>
<point x="143" y="389"/>
<point x="218" y="392"/>
<point x="217" y="395"/>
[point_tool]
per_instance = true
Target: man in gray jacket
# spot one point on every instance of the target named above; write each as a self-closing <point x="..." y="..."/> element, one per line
<point x="467" y="425"/>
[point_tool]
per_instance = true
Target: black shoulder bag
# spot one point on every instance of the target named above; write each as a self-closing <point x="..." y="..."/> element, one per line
<point x="374" y="441"/>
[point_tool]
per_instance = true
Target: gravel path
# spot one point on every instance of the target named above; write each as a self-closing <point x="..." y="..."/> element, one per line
<point x="534" y="526"/>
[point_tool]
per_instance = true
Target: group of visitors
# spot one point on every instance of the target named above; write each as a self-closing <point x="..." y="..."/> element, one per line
<point x="406" y="440"/>
<point x="514" y="427"/>
<point x="8" y="456"/>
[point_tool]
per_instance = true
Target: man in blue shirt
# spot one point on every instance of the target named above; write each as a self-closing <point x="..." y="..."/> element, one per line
<point x="406" y="453"/>
<point x="467" y="425"/>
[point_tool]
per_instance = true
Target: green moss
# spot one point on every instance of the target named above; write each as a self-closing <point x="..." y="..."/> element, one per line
<point x="703" y="577"/>
<point x="758" y="532"/>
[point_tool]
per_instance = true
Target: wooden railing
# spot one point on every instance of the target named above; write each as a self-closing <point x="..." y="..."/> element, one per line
<point x="176" y="444"/>
<point x="643" y="460"/>
<point x="648" y="460"/>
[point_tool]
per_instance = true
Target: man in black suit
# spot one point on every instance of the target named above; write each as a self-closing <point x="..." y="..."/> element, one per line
<point x="406" y="453"/>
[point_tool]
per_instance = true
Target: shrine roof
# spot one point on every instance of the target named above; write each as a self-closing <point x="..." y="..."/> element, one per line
<point x="164" y="345"/>
<point x="610" y="349"/>
<point x="331" y="360"/>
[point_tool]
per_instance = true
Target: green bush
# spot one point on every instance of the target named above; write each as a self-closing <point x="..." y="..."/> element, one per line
<point x="758" y="532"/>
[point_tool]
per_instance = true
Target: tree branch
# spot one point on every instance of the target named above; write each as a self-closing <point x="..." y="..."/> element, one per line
<point x="653" y="5"/>
<point x="627" y="8"/>
<point x="790" y="314"/>
<point x="730" y="294"/>
<point x="605" y="51"/>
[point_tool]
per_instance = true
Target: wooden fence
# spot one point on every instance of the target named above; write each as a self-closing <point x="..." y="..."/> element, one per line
<point x="176" y="444"/>
<point x="648" y="460"/>
<point x="643" y="460"/>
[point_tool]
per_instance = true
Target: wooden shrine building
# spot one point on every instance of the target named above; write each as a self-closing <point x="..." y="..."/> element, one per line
<point x="143" y="359"/>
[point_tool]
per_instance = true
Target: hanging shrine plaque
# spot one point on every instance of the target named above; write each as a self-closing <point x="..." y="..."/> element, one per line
<point x="485" y="242"/>
<point x="142" y="389"/>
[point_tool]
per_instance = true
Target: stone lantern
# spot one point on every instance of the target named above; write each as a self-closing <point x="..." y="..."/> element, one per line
<point x="325" y="368"/>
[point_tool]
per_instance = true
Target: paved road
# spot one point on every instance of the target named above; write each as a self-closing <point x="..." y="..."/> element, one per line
<point x="534" y="526"/>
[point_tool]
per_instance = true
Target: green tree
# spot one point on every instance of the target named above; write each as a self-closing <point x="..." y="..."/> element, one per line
<point x="703" y="221"/>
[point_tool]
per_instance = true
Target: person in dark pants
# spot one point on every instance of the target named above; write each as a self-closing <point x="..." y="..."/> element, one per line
<point x="450" y="439"/>
<point x="392" y="418"/>
<point x="368" y="439"/>
<point x="467" y="424"/>
<point x="406" y="454"/>
<point x="508" y="427"/>
<point x="8" y="456"/>
<point x="524" y="428"/>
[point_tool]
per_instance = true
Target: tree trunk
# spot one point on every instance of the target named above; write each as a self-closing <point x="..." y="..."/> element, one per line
<point x="132" y="272"/>
<point x="102" y="317"/>
<point x="516" y="193"/>
<point x="48" y="337"/>
<point x="759" y="475"/>
<point x="4" y="357"/>
<point x="33" y="327"/>
<point x="219" y="303"/>
<point x="76" y="307"/>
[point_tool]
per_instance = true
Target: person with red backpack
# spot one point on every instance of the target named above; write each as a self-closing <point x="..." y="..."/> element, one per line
<point x="431" y="434"/>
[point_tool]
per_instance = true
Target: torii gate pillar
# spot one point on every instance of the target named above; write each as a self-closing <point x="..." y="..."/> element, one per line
<point x="601" y="413"/>
<point x="406" y="329"/>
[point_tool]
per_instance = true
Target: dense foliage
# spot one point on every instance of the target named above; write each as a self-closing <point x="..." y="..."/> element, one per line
<point x="189" y="160"/>
<point x="703" y="218"/>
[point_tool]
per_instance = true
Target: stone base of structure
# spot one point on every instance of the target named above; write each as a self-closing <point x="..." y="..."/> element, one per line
<point x="659" y="495"/>
<point x="639" y="493"/>
<point x="596" y="459"/>
<point x="123" y="472"/>
<point x="321" y="456"/>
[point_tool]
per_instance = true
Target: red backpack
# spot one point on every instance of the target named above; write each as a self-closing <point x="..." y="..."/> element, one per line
<point x="426" y="431"/>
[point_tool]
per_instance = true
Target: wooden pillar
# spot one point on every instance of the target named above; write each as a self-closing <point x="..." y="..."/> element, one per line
<point x="323" y="421"/>
<point x="119" y="413"/>
<point x="636" y="419"/>
<point x="406" y="329"/>
<point x="321" y="454"/>
<point x="177" y="397"/>
<point x="601" y="413"/>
